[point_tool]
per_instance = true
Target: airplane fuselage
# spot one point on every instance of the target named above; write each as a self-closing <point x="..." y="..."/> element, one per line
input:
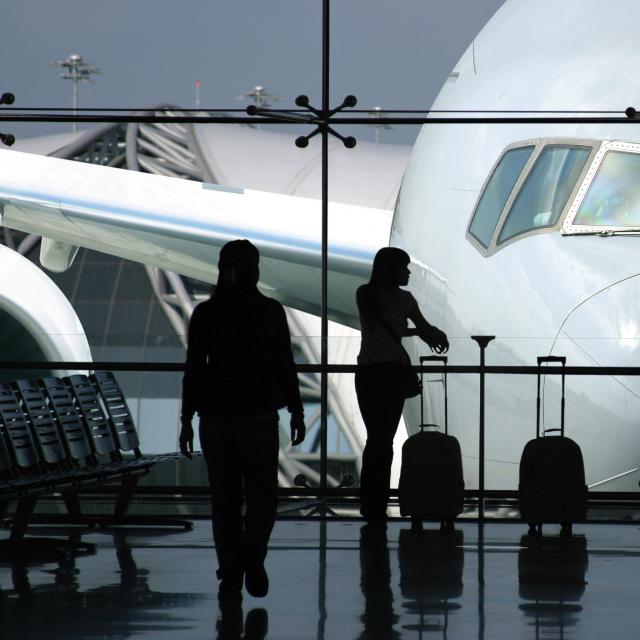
<point x="544" y="291"/>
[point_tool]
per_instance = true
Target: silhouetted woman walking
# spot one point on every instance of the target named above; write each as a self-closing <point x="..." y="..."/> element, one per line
<point x="382" y="377"/>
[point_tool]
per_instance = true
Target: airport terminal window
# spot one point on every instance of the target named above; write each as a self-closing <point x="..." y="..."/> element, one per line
<point x="18" y="344"/>
<point x="613" y="199"/>
<point x="546" y="190"/>
<point x="496" y="193"/>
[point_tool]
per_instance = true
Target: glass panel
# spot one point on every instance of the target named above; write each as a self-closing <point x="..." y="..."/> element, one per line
<point x="546" y="190"/>
<point x="496" y="194"/>
<point x="613" y="199"/>
<point x="18" y="344"/>
<point x="96" y="276"/>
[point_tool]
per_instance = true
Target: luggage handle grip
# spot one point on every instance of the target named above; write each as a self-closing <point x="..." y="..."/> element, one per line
<point x="442" y="359"/>
<point x="551" y="430"/>
<point x="425" y="425"/>
<point x="561" y="359"/>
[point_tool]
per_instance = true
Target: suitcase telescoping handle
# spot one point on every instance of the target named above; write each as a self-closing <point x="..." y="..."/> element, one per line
<point x="444" y="360"/>
<point x="563" y="362"/>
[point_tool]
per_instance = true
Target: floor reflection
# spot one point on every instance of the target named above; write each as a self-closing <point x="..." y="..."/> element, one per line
<point x="63" y="608"/>
<point x="336" y="581"/>
<point x="230" y="623"/>
<point x="379" y="617"/>
<point x="431" y="567"/>
<point x="551" y="578"/>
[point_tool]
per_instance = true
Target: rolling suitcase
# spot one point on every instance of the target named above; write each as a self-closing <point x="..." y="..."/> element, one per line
<point x="552" y="485"/>
<point x="431" y="481"/>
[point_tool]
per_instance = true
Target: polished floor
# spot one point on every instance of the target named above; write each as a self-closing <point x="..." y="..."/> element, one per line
<point x="336" y="580"/>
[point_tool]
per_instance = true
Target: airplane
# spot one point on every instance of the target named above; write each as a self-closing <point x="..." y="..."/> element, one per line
<point x="522" y="231"/>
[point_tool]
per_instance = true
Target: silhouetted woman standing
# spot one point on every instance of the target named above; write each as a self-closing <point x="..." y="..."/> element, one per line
<point x="384" y="310"/>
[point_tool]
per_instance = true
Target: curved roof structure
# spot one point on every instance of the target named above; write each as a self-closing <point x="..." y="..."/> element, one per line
<point x="238" y="155"/>
<point x="51" y="145"/>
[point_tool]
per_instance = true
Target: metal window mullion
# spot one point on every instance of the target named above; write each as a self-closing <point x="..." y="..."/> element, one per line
<point x="324" y="322"/>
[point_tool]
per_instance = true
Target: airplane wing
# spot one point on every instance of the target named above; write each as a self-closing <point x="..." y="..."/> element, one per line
<point x="180" y="225"/>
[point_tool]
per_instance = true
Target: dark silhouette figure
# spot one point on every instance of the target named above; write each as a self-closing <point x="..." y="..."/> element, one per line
<point x="384" y="310"/>
<point x="239" y="372"/>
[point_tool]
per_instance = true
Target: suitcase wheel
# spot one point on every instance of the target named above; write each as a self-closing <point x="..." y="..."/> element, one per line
<point x="535" y="529"/>
<point x="416" y="524"/>
<point x="566" y="529"/>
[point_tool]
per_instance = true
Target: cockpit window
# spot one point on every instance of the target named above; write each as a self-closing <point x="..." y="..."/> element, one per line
<point x="496" y="193"/>
<point x="547" y="188"/>
<point x="613" y="199"/>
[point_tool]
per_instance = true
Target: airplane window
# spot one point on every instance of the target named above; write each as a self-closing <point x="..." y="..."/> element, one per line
<point x="613" y="199"/>
<point x="546" y="190"/>
<point x="496" y="194"/>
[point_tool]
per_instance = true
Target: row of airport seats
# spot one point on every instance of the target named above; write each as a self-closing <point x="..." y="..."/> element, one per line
<point x="63" y="436"/>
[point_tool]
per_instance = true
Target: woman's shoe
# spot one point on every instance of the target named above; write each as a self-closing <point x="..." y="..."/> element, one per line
<point x="256" y="580"/>
<point x="376" y="519"/>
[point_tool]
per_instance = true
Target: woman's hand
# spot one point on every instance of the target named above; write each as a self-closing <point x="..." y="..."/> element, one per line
<point x="186" y="437"/>
<point x="435" y="338"/>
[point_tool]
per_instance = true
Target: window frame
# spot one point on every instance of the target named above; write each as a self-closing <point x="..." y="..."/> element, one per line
<point x="514" y="190"/>
<point x="568" y="228"/>
<point x="539" y="145"/>
<point x="572" y="194"/>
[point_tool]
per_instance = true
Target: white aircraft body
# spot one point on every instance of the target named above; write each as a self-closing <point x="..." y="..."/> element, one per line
<point x="526" y="232"/>
<point x="44" y="322"/>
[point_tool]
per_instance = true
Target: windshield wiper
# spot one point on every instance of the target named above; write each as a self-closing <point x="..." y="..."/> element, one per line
<point x="614" y="232"/>
<point x="605" y="233"/>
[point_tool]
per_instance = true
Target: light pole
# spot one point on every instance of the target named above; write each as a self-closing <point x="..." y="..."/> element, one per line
<point x="78" y="71"/>
<point x="378" y="114"/>
<point x="198" y="85"/>
<point x="260" y="98"/>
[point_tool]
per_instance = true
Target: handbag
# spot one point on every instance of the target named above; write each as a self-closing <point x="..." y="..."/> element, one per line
<point x="409" y="382"/>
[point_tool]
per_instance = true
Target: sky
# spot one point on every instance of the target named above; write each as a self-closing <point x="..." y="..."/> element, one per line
<point x="389" y="53"/>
